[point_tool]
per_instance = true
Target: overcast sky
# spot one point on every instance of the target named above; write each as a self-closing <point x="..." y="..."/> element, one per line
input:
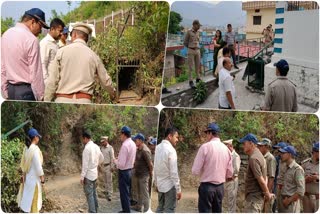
<point x="16" y="9"/>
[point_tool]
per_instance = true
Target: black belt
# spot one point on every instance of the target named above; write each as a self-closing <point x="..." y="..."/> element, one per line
<point x="20" y="84"/>
<point x="211" y="184"/>
<point x="106" y="164"/>
<point x="194" y="48"/>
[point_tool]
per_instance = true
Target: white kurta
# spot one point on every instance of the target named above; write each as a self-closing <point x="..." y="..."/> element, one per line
<point x="32" y="179"/>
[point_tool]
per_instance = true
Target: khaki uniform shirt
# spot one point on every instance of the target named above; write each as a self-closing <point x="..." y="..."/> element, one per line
<point x="311" y="168"/>
<point x="48" y="50"/>
<point x="294" y="180"/>
<point x="236" y="161"/>
<point x="108" y="154"/>
<point x="281" y="96"/>
<point x="282" y="170"/>
<point x="256" y="168"/>
<point x="271" y="165"/>
<point x="192" y="39"/>
<point x="74" y="70"/>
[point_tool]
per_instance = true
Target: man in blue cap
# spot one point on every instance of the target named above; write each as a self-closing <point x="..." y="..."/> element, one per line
<point x="125" y="163"/>
<point x="256" y="189"/>
<point x="49" y="45"/>
<point x="213" y="163"/>
<point x="294" y="184"/>
<point x="21" y="71"/>
<point x="311" y="169"/>
<point x="143" y="169"/>
<point x="281" y="94"/>
<point x="280" y="169"/>
<point x="63" y="39"/>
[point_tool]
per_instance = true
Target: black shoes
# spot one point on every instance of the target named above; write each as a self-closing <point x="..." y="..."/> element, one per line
<point x="236" y="67"/>
<point x="198" y="80"/>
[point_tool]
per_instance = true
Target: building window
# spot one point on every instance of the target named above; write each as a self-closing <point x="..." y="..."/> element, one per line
<point x="256" y="20"/>
<point x="257" y="10"/>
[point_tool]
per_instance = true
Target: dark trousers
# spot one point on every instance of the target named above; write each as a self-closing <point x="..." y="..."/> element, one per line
<point x="90" y="190"/>
<point x="124" y="188"/>
<point x="20" y="92"/>
<point x="233" y="53"/>
<point x="167" y="201"/>
<point x="210" y="198"/>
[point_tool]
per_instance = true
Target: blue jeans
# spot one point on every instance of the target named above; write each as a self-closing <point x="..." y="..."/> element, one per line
<point x="124" y="188"/>
<point x="89" y="188"/>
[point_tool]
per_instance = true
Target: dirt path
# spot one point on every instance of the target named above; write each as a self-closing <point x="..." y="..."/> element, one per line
<point x="66" y="195"/>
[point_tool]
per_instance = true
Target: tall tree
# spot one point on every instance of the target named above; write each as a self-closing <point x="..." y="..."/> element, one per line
<point x="6" y="24"/>
<point x="174" y="22"/>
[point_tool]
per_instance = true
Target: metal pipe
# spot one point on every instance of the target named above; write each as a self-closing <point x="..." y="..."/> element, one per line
<point x="4" y="136"/>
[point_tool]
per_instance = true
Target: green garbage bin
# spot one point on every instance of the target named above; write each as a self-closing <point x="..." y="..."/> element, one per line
<point x="255" y="71"/>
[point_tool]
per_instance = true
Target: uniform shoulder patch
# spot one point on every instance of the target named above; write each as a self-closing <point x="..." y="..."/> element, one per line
<point x="306" y="161"/>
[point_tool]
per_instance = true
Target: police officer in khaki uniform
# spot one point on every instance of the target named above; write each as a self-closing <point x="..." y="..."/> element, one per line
<point x="264" y="147"/>
<point x="281" y="94"/>
<point x="107" y="165"/>
<point x="73" y="71"/>
<point x="280" y="170"/>
<point x="293" y="184"/>
<point x="191" y="41"/>
<point x="311" y="168"/>
<point x="231" y="186"/>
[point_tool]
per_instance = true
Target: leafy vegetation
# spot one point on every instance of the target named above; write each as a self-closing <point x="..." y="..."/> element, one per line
<point x="200" y="93"/>
<point x="174" y="22"/>
<point x="298" y="129"/>
<point x="6" y="24"/>
<point x="54" y="121"/>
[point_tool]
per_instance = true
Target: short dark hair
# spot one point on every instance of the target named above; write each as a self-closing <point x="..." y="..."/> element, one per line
<point x="56" y="22"/>
<point x="225" y="51"/>
<point x="283" y="72"/>
<point x="214" y="133"/>
<point x="127" y="134"/>
<point x="171" y="130"/>
<point x="86" y="134"/>
<point x="229" y="25"/>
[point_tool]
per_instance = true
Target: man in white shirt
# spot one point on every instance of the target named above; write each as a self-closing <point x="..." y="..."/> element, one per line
<point x="49" y="45"/>
<point x="226" y="86"/>
<point x="226" y="53"/>
<point x="166" y="172"/>
<point x="91" y="158"/>
<point x="231" y="186"/>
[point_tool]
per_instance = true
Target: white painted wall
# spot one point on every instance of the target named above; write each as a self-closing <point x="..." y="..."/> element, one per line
<point x="301" y="38"/>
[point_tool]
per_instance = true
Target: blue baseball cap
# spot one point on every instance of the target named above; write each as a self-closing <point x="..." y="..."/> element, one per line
<point x="282" y="65"/>
<point x="249" y="137"/>
<point x="315" y="147"/>
<point x="138" y="136"/>
<point x="65" y="30"/>
<point x="153" y="141"/>
<point x="126" y="130"/>
<point x="33" y="132"/>
<point x="212" y="127"/>
<point x="280" y="145"/>
<point x="39" y="15"/>
<point x="288" y="149"/>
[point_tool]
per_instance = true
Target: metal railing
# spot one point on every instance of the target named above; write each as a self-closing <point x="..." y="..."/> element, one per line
<point x="302" y="5"/>
<point x="5" y="136"/>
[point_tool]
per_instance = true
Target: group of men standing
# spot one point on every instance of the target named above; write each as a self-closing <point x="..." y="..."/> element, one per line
<point x="272" y="184"/>
<point x="52" y="70"/>
<point x="281" y="93"/>
<point x="134" y="164"/>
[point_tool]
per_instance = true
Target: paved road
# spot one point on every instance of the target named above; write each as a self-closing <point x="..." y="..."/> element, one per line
<point x="245" y="100"/>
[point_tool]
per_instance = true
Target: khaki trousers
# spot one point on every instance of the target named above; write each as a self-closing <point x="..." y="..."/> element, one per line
<point x="71" y="100"/>
<point x="107" y="177"/>
<point x="143" y="193"/>
<point x="253" y="203"/>
<point x="194" y="60"/>
<point x="230" y="195"/>
<point x="294" y="207"/>
<point x="310" y="204"/>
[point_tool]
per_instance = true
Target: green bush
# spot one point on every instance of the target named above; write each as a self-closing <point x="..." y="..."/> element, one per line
<point x="11" y="152"/>
<point x="201" y="92"/>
